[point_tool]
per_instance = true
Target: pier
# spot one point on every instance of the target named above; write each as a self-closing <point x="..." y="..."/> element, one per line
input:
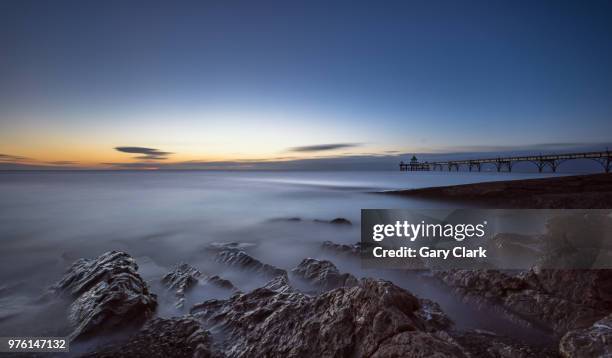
<point x="552" y="161"/>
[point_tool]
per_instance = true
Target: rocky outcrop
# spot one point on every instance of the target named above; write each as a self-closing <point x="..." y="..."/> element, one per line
<point x="323" y="275"/>
<point x="340" y="221"/>
<point x="108" y="294"/>
<point x="175" y="337"/>
<point x="594" y="341"/>
<point x="342" y="249"/>
<point x="219" y="282"/>
<point x="336" y="221"/>
<point x="477" y="343"/>
<point x="592" y="288"/>
<point x="240" y="260"/>
<point x="542" y="300"/>
<point x="373" y="318"/>
<point x="184" y="277"/>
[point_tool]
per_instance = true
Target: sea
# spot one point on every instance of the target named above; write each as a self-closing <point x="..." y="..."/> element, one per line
<point x="50" y="219"/>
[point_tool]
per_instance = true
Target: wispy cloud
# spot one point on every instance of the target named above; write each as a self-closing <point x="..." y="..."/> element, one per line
<point x="147" y="153"/>
<point x="11" y="158"/>
<point x="63" y="162"/>
<point x="323" y="147"/>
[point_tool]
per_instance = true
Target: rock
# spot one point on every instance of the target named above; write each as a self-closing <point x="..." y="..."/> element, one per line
<point x="175" y="337"/>
<point x="219" y="282"/>
<point x="336" y="221"/>
<point x="109" y="295"/>
<point x="595" y="341"/>
<point x="431" y="313"/>
<point x="180" y="280"/>
<point x="592" y="288"/>
<point x="344" y="249"/>
<point x="340" y="221"/>
<point x="221" y="246"/>
<point x="292" y="219"/>
<point x="544" y="301"/>
<point x="418" y="344"/>
<point x="184" y="277"/>
<point x="240" y="260"/>
<point x="348" y="321"/>
<point x="323" y="275"/>
<point x="477" y="343"/>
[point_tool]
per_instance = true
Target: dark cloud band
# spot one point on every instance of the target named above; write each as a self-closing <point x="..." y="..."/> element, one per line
<point x="323" y="147"/>
<point x="147" y="153"/>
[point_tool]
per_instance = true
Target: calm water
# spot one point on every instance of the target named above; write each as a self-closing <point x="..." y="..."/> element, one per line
<point x="48" y="220"/>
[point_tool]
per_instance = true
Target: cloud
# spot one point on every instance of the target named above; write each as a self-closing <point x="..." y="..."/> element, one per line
<point x="63" y="162"/>
<point x="11" y="158"/>
<point x="147" y="153"/>
<point x="323" y="147"/>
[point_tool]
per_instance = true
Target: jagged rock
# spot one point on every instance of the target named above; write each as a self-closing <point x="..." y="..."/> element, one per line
<point x="524" y="297"/>
<point x="109" y="294"/>
<point x="595" y="341"/>
<point x="592" y="288"/>
<point x="351" y="250"/>
<point x="184" y="277"/>
<point x="431" y="313"/>
<point x="241" y="260"/>
<point x="477" y="343"/>
<point x="323" y="275"/>
<point x="219" y="282"/>
<point x="418" y="344"/>
<point x="348" y="321"/>
<point x="175" y="337"/>
<point x="221" y="246"/>
<point x="180" y="280"/>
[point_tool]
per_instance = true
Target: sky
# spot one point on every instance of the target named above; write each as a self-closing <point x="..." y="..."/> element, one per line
<point x="225" y="84"/>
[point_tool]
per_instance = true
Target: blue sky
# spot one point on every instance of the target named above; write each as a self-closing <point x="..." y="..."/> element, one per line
<point x="246" y="80"/>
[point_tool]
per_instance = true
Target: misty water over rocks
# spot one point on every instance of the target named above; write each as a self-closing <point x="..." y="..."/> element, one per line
<point x="162" y="219"/>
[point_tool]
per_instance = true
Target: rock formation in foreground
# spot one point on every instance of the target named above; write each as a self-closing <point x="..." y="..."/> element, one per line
<point x="181" y="337"/>
<point x="108" y="294"/>
<point x="559" y="300"/>
<point x="240" y="260"/>
<point x="323" y="275"/>
<point x="594" y="341"/>
<point x="373" y="317"/>
<point x="184" y="277"/>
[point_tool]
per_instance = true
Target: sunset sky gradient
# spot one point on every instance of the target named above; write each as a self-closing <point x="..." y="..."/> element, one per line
<point x="251" y="81"/>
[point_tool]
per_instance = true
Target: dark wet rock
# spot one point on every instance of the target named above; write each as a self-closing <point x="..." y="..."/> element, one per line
<point x="323" y="275"/>
<point x="340" y="221"/>
<point x="336" y="221"/>
<point x="594" y="341"/>
<point x="219" y="282"/>
<point x="477" y="343"/>
<point x="221" y="246"/>
<point x="592" y="288"/>
<point x="349" y="321"/>
<point x="241" y="260"/>
<point x="293" y="219"/>
<point x="524" y="297"/>
<point x="418" y="344"/>
<point x="108" y="295"/>
<point x="175" y="337"/>
<point x="342" y="249"/>
<point x="184" y="277"/>
<point x="431" y="313"/>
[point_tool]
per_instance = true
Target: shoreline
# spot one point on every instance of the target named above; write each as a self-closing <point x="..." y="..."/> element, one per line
<point x="591" y="191"/>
